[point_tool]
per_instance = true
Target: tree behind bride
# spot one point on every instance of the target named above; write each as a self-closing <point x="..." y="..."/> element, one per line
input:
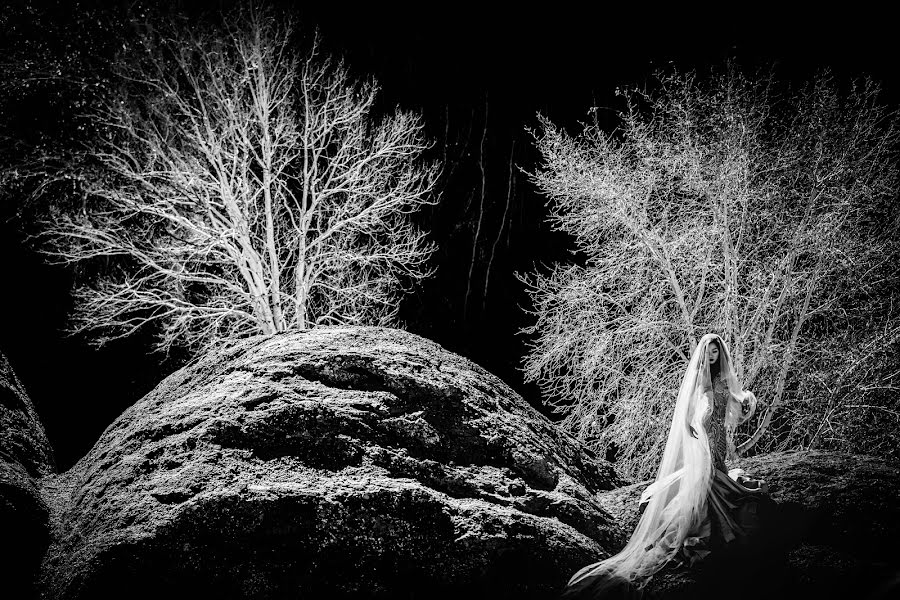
<point x="734" y="203"/>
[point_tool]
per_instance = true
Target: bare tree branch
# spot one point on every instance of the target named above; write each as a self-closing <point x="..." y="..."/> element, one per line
<point x="718" y="206"/>
<point x="239" y="188"/>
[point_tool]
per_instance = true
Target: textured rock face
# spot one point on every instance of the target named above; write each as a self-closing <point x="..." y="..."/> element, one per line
<point x="622" y="504"/>
<point x="840" y="500"/>
<point x="25" y="456"/>
<point x="838" y="519"/>
<point x="22" y="438"/>
<point x="830" y="534"/>
<point x="338" y="462"/>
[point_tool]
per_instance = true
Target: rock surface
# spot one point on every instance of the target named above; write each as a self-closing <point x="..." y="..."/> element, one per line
<point x="367" y="462"/>
<point x="840" y="500"/>
<point x="837" y="519"/>
<point x="25" y="457"/>
<point x="338" y="462"/>
<point x="830" y="534"/>
<point x="23" y="441"/>
<point x="622" y="504"/>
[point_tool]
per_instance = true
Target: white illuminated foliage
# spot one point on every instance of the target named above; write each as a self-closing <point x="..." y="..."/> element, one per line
<point x="240" y="187"/>
<point x="718" y="206"/>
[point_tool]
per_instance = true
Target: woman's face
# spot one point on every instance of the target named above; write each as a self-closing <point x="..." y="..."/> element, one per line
<point x="712" y="353"/>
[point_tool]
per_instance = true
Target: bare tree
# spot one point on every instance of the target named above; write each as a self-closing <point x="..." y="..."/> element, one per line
<point x="240" y="186"/>
<point x="719" y="206"/>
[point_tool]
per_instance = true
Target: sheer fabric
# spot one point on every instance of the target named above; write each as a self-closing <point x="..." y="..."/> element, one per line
<point x="676" y="510"/>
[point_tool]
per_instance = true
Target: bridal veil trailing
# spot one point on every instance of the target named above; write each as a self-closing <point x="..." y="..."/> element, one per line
<point x="690" y="482"/>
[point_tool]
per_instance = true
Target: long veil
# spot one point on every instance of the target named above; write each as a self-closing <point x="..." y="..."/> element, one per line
<point x="676" y="500"/>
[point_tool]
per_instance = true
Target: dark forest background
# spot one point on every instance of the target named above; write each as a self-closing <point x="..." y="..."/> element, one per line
<point x="479" y="79"/>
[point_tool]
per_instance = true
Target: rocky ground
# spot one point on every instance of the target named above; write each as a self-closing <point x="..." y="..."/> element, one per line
<point x="829" y="532"/>
<point x="333" y="462"/>
<point x="371" y="463"/>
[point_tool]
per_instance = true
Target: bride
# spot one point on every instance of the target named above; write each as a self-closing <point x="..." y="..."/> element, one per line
<point x="695" y="505"/>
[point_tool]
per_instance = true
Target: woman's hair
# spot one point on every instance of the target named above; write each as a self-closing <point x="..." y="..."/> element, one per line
<point x="716" y="368"/>
<point x="708" y="371"/>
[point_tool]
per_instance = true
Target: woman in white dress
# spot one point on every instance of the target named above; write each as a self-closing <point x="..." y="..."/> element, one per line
<point x="694" y="506"/>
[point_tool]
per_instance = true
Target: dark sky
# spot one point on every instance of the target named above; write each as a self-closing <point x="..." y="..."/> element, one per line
<point x="451" y="61"/>
<point x="556" y="57"/>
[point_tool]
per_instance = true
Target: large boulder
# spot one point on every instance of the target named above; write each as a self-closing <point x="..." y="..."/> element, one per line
<point x="829" y="532"/>
<point x="837" y="521"/>
<point x="337" y="462"/>
<point x="25" y="457"/>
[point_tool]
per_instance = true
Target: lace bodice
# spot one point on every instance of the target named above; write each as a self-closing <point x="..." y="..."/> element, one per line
<point x="714" y="423"/>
